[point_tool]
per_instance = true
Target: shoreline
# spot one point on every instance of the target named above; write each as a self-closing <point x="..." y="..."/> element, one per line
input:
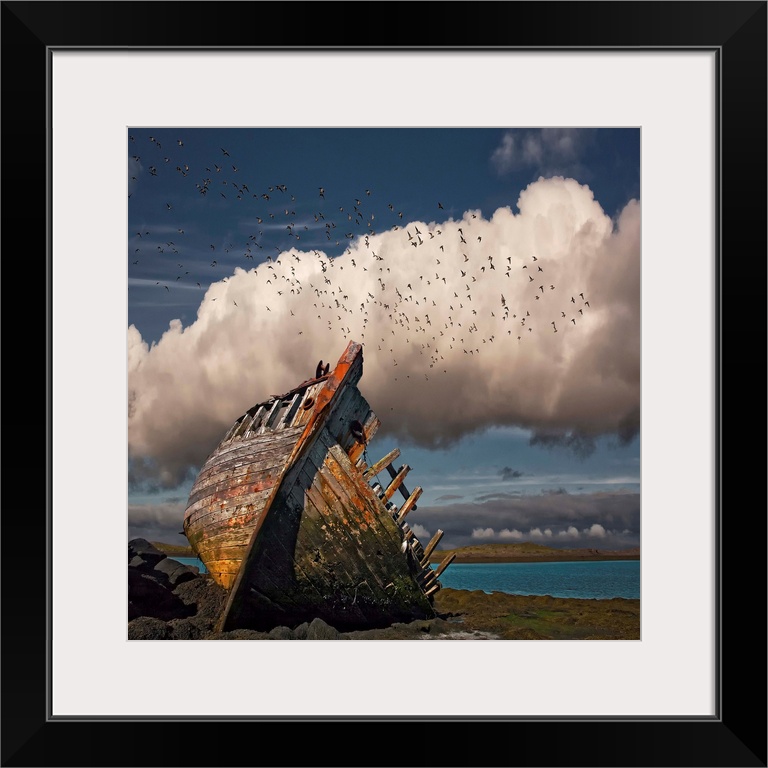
<point x="168" y="600"/>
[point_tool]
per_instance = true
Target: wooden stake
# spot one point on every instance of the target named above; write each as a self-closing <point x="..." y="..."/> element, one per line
<point x="396" y="482"/>
<point x="447" y="560"/>
<point x="432" y="544"/>
<point x="410" y="503"/>
<point x="403" y="490"/>
<point x="380" y="464"/>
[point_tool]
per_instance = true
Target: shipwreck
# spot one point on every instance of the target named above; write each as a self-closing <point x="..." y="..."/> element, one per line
<point x="289" y="517"/>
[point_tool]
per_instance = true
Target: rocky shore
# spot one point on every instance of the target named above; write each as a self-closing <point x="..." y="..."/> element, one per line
<point x="168" y="600"/>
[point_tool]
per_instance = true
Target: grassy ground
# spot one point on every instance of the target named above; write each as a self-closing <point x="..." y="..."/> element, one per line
<point x="518" y="617"/>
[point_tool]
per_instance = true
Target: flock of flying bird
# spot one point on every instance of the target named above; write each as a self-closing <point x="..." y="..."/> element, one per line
<point x="443" y="307"/>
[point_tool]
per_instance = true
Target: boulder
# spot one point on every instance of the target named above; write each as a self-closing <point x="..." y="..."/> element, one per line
<point x="146" y="551"/>
<point x="176" y="572"/>
<point x="281" y="633"/>
<point x="300" y="633"/>
<point x="319" y="630"/>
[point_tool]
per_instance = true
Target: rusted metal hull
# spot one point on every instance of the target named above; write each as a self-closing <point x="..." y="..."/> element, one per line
<point x="287" y="516"/>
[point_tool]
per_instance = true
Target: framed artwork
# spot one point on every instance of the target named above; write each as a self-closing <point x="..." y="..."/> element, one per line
<point x="610" y="96"/>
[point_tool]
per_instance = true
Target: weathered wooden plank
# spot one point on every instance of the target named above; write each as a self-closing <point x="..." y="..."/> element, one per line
<point x="235" y="518"/>
<point x="197" y="514"/>
<point x="447" y="560"/>
<point x="228" y="552"/>
<point x="232" y="491"/>
<point x="216" y="567"/>
<point x="375" y="514"/>
<point x="319" y="528"/>
<point x="265" y="467"/>
<point x="434" y="588"/>
<point x="410" y="503"/>
<point x="237" y="472"/>
<point x="234" y="455"/>
<point x="374" y="469"/>
<point x="433" y="542"/>
<point x="397" y="481"/>
<point x="353" y="554"/>
<point x="367" y="528"/>
<point x="403" y="490"/>
<point x="264" y="458"/>
<point x="224" y="536"/>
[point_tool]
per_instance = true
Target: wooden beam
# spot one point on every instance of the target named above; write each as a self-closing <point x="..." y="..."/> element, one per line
<point x="432" y="544"/>
<point x="403" y="490"/>
<point x="432" y="589"/>
<point x="397" y="481"/>
<point x="381" y="464"/>
<point x="410" y="503"/>
<point x="447" y="560"/>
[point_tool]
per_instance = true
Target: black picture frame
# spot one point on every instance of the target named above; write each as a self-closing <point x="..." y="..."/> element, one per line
<point x="736" y="736"/>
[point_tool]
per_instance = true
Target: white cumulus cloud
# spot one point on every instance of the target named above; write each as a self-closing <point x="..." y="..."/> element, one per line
<point x="456" y="336"/>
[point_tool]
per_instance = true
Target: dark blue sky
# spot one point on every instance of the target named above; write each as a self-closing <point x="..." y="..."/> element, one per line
<point x="412" y="169"/>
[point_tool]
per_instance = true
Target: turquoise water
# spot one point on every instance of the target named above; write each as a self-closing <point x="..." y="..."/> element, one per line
<point x="595" y="580"/>
<point x="191" y="561"/>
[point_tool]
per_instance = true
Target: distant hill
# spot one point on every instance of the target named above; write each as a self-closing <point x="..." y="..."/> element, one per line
<point x="174" y="549"/>
<point x="525" y="552"/>
<point x="528" y="552"/>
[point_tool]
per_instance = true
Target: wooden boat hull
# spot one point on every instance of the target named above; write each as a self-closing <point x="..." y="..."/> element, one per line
<point x="288" y="517"/>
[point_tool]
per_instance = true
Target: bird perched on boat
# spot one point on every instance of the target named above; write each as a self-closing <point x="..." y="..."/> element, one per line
<point x="356" y="429"/>
<point x="319" y="370"/>
<point x="326" y="369"/>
